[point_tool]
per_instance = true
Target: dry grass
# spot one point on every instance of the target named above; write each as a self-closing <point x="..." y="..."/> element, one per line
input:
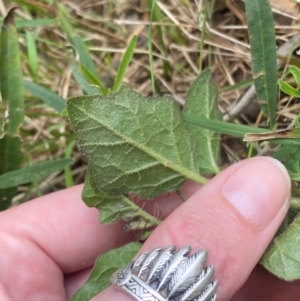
<point x="108" y="26"/>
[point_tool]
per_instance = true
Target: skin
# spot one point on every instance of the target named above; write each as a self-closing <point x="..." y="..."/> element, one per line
<point x="48" y="245"/>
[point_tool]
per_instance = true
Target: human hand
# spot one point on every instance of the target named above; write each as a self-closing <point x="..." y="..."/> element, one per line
<point x="48" y="245"/>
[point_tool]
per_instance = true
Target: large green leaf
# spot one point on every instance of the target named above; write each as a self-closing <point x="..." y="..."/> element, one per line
<point x="112" y="207"/>
<point x="263" y="54"/>
<point x="105" y="266"/>
<point x="11" y="77"/>
<point x="202" y="100"/>
<point x="283" y="256"/>
<point x="32" y="173"/>
<point x="11" y="158"/>
<point x="134" y="144"/>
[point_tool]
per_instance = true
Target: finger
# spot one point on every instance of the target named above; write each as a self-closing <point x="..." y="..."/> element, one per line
<point x="161" y="207"/>
<point x="233" y="217"/>
<point x="64" y="228"/>
<point x="74" y="281"/>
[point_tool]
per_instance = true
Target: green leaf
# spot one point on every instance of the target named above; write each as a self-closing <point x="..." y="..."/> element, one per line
<point x="202" y="100"/>
<point x="263" y="54"/>
<point x="115" y="206"/>
<point x="105" y="266"/>
<point x="290" y="157"/>
<point x="288" y="89"/>
<point x="11" y="158"/>
<point x="11" y="77"/>
<point x="283" y="256"/>
<point x="296" y="73"/>
<point x="48" y="97"/>
<point x="32" y="173"/>
<point x="133" y="143"/>
<point x="126" y="59"/>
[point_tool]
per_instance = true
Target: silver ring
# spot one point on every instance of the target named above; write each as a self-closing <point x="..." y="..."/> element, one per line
<point x="167" y="275"/>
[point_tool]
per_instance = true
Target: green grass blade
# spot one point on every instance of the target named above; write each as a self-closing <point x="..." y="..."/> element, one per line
<point x="11" y="158"/>
<point x="263" y="54"/>
<point x="32" y="55"/>
<point x="238" y="86"/>
<point x="232" y="129"/>
<point x="64" y="23"/>
<point x="45" y="95"/>
<point x="32" y="173"/>
<point x="11" y="83"/>
<point x="93" y="80"/>
<point x="84" y="55"/>
<point x="81" y="80"/>
<point x="157" y="16"/>
<point x="126" y="59"/>
<point x="34" y="23"/>
<point x="153" y="11"/>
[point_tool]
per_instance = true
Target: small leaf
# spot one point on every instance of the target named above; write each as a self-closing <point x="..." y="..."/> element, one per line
<point x="134" y="144"/>
<point x="113" y="207"/>
<point x="11" y="77"/>
<point x="283" y="256"/>
<point x="126" y="59"/>
<point x="11" y="158"/>
<point x="263" y="54"/>
<point x="104" y="268"/>
<point x="32" y="173"/>
<point x="296" y="73"/>
<point x="288" y="89"/>
<point x="202" y="100"/>
<point x="48" y="97"/>
<point x="290" y="157"/>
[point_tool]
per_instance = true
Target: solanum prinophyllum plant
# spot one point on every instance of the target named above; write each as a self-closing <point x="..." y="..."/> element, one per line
<point x="143" y="147"/>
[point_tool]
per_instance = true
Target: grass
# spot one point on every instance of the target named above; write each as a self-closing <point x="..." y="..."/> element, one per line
<point x="70" y="48"/>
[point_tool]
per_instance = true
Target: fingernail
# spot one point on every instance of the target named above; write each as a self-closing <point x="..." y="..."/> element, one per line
<point x="258" y="189"/>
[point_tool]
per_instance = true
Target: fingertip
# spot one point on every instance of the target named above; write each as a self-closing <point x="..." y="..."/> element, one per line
<point x="258" y="189"/>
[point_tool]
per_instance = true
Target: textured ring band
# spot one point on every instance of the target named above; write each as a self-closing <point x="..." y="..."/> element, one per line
<point x="167" y="275"/>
